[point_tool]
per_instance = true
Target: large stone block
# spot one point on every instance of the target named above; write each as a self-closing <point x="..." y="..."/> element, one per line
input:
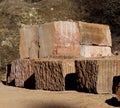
<point x="29" y="46"/>
<point x="94" y="34"/>
<point x="22" y="72"/>
<point x="49" y="76"/>
<point x="59" y="38"/>
<point x="96" y="75"/>
<point x="95" y="51"/>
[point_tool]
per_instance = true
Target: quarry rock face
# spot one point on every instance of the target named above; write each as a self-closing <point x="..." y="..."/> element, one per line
<point x="29" y="46"/>
<point x="96" y="75"/>
<point x="59" y="38"/>
<point x="95" y="51"/>
<point x="94" y="34"/>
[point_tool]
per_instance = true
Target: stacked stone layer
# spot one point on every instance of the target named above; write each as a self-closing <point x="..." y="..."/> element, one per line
<point x="64" y="38"/>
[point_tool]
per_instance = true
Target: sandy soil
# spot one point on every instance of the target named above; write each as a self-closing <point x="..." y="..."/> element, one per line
<point x="13" y="97"/>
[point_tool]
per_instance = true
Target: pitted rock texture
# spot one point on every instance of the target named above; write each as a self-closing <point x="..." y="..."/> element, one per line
<point x="40" y="74"/>
<point x="49" y="76"/>
<point x="86" y="75"/>
<point x="22" y="71"/>
<point x="96" y="75"/>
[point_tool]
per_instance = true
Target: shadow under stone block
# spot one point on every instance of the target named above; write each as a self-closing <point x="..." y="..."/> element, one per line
<point x="10" y="78"/>
<point x="21" y="73"/>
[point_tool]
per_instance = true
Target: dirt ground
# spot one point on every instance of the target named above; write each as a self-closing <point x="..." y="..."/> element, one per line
<point x="13" y="97"/>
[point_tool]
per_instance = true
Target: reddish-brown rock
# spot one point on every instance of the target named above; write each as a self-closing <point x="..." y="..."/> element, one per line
<point x="22" y="72"/>
<point x="96" y="75"/>
<point x="46" y="74"/>
<point x="29" y="46"/>
<point x="94" y="34"/>
<point x="49" y="76"/>
<point x="59" y="38"/>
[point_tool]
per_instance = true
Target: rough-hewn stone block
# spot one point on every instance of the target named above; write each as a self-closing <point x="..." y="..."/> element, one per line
<point x="95" y="51"/>
<point x="49" y="76"/>
<point x="22" y="72"/>
<point x="96" y="75"/>
<point x="59" y="38"/>
<point x="94" y="34"/>
<point x="29" y="47"/>
<point x="46" y="74"/>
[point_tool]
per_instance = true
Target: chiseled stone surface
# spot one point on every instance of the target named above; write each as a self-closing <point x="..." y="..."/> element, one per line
<point x="49" y="75"/>
<point x="59" y="38"/>
<point x="24" y="73"/>
<point x="29" y="47"/>
<point x="45" y="74"/>
<point x="95" y="51"/>
<point x="96" y="75"/>
<point x="94" y="34"/>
